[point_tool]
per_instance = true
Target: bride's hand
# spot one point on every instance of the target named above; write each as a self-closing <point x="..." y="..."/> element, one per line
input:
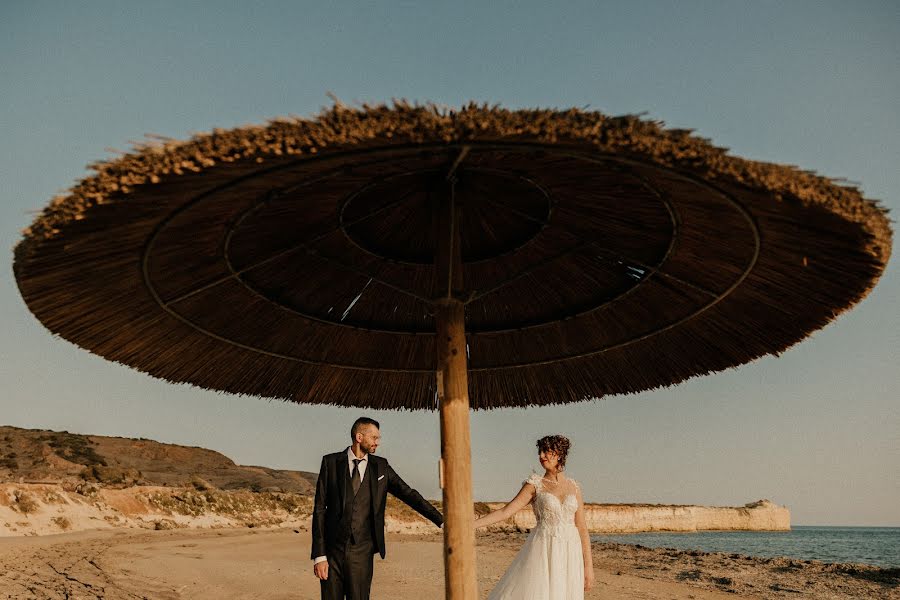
<point x="588" y="580"/>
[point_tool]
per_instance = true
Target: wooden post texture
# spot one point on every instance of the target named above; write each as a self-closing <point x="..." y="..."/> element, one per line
<point x="453" y="396"/>
<point x="459" y="519"/>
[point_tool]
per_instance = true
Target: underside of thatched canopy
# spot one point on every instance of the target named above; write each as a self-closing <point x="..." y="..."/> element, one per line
<point x="600" y="255"/>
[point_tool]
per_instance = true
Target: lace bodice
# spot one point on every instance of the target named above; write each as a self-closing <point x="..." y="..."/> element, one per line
<point x="553" y="515"/>
<point x="550" y="565"/>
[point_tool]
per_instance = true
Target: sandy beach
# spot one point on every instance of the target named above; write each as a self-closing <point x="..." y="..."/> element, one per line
<point x="274" y="563"/>
<point x="175" y="535"/>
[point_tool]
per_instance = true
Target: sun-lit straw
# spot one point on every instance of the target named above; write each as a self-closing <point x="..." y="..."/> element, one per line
<point x="605" y="255"/>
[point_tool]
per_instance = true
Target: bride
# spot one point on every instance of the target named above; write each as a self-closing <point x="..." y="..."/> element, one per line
<point x="555" y="561"/>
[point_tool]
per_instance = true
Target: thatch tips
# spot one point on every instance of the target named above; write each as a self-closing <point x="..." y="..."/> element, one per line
<point x="344" y="126"/>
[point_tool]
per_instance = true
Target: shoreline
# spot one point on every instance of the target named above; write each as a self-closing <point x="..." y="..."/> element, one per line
<point x="239" y="563"/>
<point x="871" y="546"/>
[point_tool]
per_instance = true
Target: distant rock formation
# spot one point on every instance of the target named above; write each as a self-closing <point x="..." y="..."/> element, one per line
<point x="58" y="456"/>
<point x="761" y="515"/>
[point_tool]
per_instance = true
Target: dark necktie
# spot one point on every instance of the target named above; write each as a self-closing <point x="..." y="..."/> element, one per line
<point x="356" y="479"/>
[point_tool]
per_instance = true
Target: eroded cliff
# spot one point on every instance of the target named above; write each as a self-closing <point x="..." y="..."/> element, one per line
<point x="761" y="515"/>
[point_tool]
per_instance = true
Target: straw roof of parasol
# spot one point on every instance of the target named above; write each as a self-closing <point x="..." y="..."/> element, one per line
<point x="293" y="260"/>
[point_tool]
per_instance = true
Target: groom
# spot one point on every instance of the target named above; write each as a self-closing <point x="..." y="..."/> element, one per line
<point x="348" y="517"/>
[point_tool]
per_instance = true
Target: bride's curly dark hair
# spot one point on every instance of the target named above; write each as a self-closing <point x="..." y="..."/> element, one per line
<point x="558" y="444"/>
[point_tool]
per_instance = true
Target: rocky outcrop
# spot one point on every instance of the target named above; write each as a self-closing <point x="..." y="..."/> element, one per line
<point x="762" y="515"/>
<point x="29" y="455"/>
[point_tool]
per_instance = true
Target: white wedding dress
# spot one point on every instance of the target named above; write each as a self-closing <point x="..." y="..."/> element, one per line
<point x="550" y="565"/>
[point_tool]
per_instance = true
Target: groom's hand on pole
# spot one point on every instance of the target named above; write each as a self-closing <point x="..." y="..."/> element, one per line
<point x="321" y="570"/>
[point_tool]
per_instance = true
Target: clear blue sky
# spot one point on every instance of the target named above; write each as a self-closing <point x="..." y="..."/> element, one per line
<point x="811" y="83"/>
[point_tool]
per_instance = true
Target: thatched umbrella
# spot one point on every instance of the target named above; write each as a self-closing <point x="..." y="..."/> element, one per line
<point x="348" y="259"/>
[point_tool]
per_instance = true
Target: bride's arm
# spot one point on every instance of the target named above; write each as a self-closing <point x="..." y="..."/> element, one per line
<point x="512" y="507"/>
<point x="581" y="524"/>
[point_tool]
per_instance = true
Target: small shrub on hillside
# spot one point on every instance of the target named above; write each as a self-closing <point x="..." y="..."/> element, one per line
<point x="87" y="490"/>
<point x="24" y="502"/>
<point x="62" y="522"/>
<point x="74" y="448"/>
<point x="112" y="475"/>
<point x="294" y="503"/>
<point x="481" y="508"/>
<point x="200" y="484"/>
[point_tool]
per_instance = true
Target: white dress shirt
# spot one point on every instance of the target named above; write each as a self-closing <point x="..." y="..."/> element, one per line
<point x="362" y="465"/>
<point x="364" y="462"/>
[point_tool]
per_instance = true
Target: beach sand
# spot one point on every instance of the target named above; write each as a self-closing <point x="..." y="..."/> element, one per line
<point x="250" y="563"/>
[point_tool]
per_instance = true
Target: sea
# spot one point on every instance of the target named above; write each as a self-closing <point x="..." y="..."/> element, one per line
<point x="878" y="546"/>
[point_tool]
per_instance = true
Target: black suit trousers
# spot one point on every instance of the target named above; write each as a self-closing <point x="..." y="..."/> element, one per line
<point x="349" y="572"/>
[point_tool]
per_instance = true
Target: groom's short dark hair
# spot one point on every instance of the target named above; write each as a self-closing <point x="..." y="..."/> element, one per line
<point x="360" y="422"/>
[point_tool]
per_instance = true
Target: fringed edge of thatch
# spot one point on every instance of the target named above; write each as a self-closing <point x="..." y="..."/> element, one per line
<point x="343" y="127"/>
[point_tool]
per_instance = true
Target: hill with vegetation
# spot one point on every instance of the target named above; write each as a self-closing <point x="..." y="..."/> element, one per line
<point x="35" y="455"/>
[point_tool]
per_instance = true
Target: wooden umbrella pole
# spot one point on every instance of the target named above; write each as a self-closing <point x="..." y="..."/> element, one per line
<point x="459" y="519"/>
<point x="453" y="395"/>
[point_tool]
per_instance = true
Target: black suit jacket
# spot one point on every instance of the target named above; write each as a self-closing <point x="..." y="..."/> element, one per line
<point x="333" y="486"/>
